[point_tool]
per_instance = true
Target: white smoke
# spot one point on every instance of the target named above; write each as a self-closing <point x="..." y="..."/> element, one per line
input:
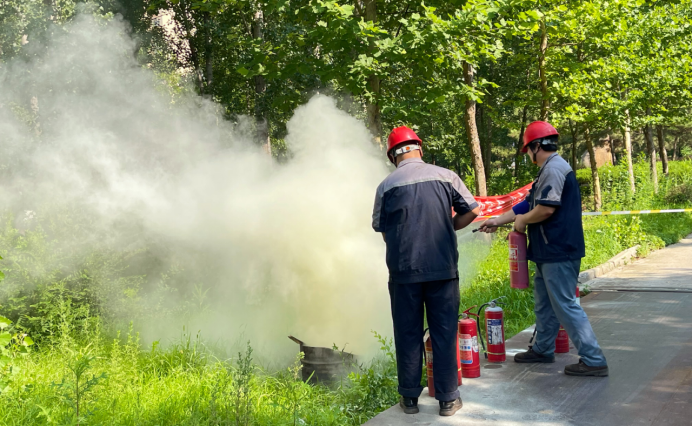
<point x="279" y="248"/>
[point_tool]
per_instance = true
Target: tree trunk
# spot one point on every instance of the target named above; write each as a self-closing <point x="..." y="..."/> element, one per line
<point x="50" y="10"/>
<point x="209" y="75"/>
<point x="629" y="151"/>
<point x="486" y="142"/>
<point x="662" y="150"/>
<point x="489" y="145"/>
<point x="612" y="149"/>
<point x="596" y="189"/>
<point x="652" y="153"/>
<point x="542" y="73"/>
<point x="676" y="143"/>
<point x="518" y="151"/>
<point x="34" y="104"/>
<point x="195" y="60"/>
<point x="261" y="124"/>
<point x="473" y="135"/>
<point x="373" y="106"/>
<point x="573" y="146"/>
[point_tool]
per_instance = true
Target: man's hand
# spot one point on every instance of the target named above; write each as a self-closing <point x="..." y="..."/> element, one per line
<point x="489" y="226"/>
<point x="520" y="225"/>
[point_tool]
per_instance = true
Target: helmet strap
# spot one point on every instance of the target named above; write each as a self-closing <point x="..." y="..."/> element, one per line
<point x="392" y="155"/>
<point x="406" y="149"/>
<point x="533" y="156"/>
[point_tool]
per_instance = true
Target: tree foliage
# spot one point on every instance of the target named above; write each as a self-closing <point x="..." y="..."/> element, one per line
<point x="589" y="67"/>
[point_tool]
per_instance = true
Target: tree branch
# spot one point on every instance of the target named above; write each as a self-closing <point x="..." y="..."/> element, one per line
<point x="357" y="3"/>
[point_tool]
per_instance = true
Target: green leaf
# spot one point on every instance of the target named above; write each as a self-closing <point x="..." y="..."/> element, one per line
<point x="27" y="341"/>
<point x="322" y="24"/>
<point x="440" y="99"/>
<point x="242" y="71"/>
<point x="5" y="339"/>
<point x="535" y="14"/>
<point x="4" y="322"/>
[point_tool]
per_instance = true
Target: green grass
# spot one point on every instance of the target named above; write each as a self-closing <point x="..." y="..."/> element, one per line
<point x="182" y="385"/>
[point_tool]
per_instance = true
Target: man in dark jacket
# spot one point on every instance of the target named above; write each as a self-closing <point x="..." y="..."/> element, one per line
<point x="552" y="215"/>
<point x="413" y="211"/>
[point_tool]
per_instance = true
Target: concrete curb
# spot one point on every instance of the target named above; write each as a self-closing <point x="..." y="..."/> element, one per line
<point x="619" y="260"/>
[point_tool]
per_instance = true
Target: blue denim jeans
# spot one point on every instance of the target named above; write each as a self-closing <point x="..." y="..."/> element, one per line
<point x="555" y="305"/>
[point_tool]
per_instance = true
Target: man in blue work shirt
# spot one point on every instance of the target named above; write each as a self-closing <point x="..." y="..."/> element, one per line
<point x="552" y="214"/>
<point x="413" y="211"/>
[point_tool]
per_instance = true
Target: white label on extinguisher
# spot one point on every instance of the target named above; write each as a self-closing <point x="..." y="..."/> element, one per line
<point x="513" y="252"/>
<point x="475" y="345"/>
<point x="429" y="357"/>
<point x="466" y="349"/>
<point x="495" y="331"/>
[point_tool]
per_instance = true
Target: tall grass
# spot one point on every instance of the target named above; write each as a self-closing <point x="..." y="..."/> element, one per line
<point x="90" y="380"/>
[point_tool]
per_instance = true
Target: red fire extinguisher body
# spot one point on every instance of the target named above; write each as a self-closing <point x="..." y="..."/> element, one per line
<point x="517" y="251"/>
<point x="428" y="349"/>
<point x="469" y="347"/>
<point x="495" y="334"/>
<point x="562" y="342"/>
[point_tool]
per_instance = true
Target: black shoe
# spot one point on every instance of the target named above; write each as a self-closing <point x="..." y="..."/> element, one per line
<point x="582" y="370"/>
<point x="410" y="405"/>
<point x="449" y="408"/>
<point x="533" y="357"/>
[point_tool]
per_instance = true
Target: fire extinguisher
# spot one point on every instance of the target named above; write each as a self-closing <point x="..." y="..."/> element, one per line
<point x="469" y="344"/>
<point x="495" y="330"/>
<point x="562" y="343"/>
<point x="517" y="250"/>
<point x="428" y="356"/>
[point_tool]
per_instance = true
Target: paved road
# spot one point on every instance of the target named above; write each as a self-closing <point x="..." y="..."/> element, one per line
<point x="667" y="269"/>
<point x="645" y="331"/>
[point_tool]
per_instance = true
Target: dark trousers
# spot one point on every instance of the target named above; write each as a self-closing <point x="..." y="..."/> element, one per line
<point x="442" y="301"/>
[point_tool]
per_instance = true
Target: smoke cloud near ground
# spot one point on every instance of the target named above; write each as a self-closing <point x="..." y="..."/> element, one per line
<point x="268" y="249"/>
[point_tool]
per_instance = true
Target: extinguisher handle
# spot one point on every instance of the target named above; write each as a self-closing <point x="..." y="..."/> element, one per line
<point x="468" y="313"/>
<point x="497" y="300"/>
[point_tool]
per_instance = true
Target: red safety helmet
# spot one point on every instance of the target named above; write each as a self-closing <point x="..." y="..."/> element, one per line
<point x="537" y="130"/>
<point x="400" y="135"/>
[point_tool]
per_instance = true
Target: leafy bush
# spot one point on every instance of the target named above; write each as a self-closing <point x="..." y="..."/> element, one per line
<point x="13" y="344"/>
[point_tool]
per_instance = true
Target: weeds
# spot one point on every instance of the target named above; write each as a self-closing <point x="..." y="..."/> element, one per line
<point x="241" y="398"/>
<point x="76" y="389"/>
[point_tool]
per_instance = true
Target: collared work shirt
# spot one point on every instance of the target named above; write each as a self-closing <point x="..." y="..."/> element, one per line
<point x="413" y="209"/>
<point x="560" y="237"/>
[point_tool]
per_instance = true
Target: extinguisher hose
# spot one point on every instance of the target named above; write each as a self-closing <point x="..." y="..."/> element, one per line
<point x="478" y="326"/>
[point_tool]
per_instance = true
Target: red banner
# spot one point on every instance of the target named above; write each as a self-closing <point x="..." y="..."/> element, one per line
<point x="496" y="205"/>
